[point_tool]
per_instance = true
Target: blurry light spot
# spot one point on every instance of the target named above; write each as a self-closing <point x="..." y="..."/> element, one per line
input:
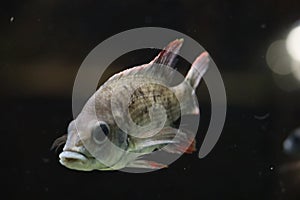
<point x="262" y="117"/>
<point x="278" y="59"/>
<point x="272" y="168"/>
<point x="296" y="69"/>
<point x="46" y="160"/>
<point x="287" y="83"/>
<point x="11" y="19"/>
<point x="260" y="173"/>
<point x="293" y="43"/>
<point x="287" y="144"/>
<point x="282" y="187"/>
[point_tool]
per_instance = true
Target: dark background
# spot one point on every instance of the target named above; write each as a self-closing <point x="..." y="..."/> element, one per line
<point x="42" y="46"/>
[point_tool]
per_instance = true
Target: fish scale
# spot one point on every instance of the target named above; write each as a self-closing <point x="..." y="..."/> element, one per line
<point x="148" y="95"/>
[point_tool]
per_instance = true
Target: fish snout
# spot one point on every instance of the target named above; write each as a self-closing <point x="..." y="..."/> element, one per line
<point x="70" y="158"/>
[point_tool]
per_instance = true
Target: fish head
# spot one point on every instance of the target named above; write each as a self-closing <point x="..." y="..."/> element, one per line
<point x="92" y="145"/>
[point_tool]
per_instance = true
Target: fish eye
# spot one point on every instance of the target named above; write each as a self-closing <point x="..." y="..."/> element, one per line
<point x="100" y="132"/>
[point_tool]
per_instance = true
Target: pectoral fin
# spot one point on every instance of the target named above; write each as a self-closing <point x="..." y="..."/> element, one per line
<point x="168" y="139"/>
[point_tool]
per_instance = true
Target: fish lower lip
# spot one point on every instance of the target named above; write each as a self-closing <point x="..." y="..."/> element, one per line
<point x="70" y="156"/>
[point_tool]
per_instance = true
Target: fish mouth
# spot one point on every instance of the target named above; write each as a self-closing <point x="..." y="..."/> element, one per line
<point x="79" y="161"/>
<point x="69" y="157"/>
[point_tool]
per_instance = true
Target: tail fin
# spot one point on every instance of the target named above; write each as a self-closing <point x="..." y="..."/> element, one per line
<point x="193" y="77"/>
<point x="198" y="69"/>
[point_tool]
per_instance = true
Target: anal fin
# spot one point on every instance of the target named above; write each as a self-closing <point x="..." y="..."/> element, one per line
<point x="146" y="164"/>
<point x="184" y="143"/>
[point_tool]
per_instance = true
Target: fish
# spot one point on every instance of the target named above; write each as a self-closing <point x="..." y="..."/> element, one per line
<point x="136" y="111"/>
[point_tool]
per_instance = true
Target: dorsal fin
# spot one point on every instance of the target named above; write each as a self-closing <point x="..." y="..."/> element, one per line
<point x="168" y="54"/>
<point x="156" y="68"/>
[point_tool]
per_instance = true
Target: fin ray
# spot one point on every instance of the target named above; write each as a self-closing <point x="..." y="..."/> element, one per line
<point x="170" y="140"/>
<point x="198" y="69"/>
<point x="146" y="164"/>
<point x="169" y="53"/>
<point x="157" y="67"/>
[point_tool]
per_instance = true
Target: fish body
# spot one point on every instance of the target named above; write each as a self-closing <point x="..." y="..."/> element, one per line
<point x="133" y="114"/>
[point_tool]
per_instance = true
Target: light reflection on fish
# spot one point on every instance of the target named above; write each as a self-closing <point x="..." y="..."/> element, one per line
<point x="96" y="133"/>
